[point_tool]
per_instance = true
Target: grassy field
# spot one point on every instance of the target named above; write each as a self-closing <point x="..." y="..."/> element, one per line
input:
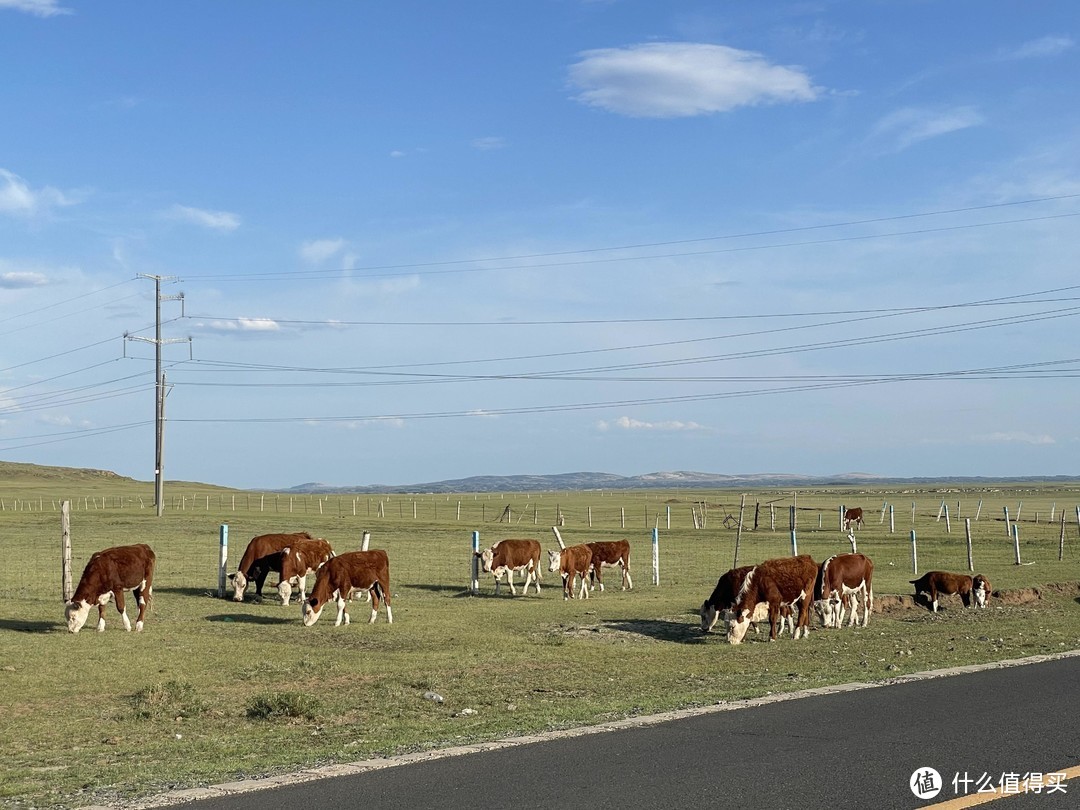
<point x="215" y="690"/>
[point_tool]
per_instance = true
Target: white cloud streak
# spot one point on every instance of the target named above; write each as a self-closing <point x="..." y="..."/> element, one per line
<point x="39" y="8"/>
<point x="627" y="423"/>
<point x="681" y="79"/>
<point x="21" y="280"/>
<point x="1042" y="48"/>
<point x="19" y="199"/>
<point x="315" y="251"/>
<point x="215" y="220"/>
<point x="1016" y="437"/>
<point x="908" y="126"/>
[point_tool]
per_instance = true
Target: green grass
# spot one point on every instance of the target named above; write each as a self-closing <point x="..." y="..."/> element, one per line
<point x="215" y="691"/>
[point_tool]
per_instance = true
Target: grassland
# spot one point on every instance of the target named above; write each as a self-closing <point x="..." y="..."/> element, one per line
<point x="215" y="690"/>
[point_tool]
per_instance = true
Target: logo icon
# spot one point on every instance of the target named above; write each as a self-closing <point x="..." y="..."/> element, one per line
<point x="925" y="783"/>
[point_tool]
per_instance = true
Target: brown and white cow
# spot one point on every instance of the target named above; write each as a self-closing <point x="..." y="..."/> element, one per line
<point x="610" y="553"/>
<point x="261" y="556"/>
<point x="572" y="561"/>
<point x="508" y="556"/>
<point x="722" y="600"/>
<point x="298" y="559"/>
<point x="107" y="575"/>
<point x="937" y="583"/>
<point x="842" y="580"/>
<point x="853" y="515"/>
<point x="782" y="581"/>
<point x="345" y="573"/>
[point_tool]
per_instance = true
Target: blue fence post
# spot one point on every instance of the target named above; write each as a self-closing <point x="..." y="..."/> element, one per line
<point x="474" y="588"/>
<point x="223" y="560"/>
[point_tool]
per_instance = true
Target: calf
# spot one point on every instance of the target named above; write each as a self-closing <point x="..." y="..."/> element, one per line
<point x="107" y="575"/>
<point x="299" y="559"/>
<point x="572" y="561"/>
<point x="841" y="580"/>
<point x="261" y="556"/>
<point x="612" y="553"/>
<point x="508" y="556"/>
<point x="935" y="583"/>
<point x="345" y="573"/>
<point x="853" y="515"/>
<point x="778" y="582"/>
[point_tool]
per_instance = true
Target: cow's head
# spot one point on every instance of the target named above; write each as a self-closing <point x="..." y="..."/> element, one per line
<point x="487" y="557"/>
<point x="980" y="587"/>
<point x="828" y="609"/>
<point x="311" y="611"/>
<point x="709" y="616"/>
<point x="239" y="582"/>
<point x="554" y="560"/>
<point x="740" y="623"/>
<point x="75" y="613"/>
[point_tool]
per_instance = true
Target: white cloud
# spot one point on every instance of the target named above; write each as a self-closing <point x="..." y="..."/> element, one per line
<point x="1016" y="437"/>
<point x="397" y="153"/>
<point x="626" y="423"/>
<point x="215" y="220"/>
<point x="1039" y="48"/>
<point x="244" y="325"/>
<point x="910" y="125"/>
<point x="489" y="143"/>
<point x="17" y="198"/>
<point x="39" y="8"/>
<point x="315" y="251"/>
<point x="678" y="79"/>
<point x="21" y="280"/>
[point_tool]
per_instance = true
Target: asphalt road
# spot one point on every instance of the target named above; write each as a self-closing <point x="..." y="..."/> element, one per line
<point x="855" y="749"/>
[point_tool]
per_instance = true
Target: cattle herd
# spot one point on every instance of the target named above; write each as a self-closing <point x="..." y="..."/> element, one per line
<point x="784" y="591"/>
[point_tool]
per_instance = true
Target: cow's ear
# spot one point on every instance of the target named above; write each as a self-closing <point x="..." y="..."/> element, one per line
<point x="232" y="577"/>
<point x="285" y="551"/>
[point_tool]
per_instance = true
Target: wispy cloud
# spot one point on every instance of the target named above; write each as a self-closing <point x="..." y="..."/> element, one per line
<point x="259" y="325"/>
<point x="215" y="220"/>
<point x="489" y="143"/>
<point x="679" y="79"/>
<point x="39" y="8"/>
<point x="627" y="423"/>
<point x="19" y="199"/>
<point x="909" y="126"/>
<point x="22" y="280"/>
<point x="1038" y="48"/>
<point x="1015" y="437"/>
<point x="315" y="251"/>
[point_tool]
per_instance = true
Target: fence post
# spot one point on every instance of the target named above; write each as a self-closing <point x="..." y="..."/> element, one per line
<point x="558" y="536"/>
<point x="65" y="550"/>
<point x="977" y="511"/>
<point x="1008" y="531"/>
<point x="914" y="554"/>
<point x="1061" y="540"/>
<point x="223" y="559"/>
<point x="967" y="531"/>
<point x="1016" y="542"/>
<point x="892" y="520"/>
<point x="948" y="523"/>
<point x="474" y="586"/>
<point x="655" y="556"/>
<point x="843" y="509"/>
<point x="365" y="538"/>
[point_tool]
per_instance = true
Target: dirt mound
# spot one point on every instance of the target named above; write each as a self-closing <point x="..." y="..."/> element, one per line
<point x="891" y="603"/>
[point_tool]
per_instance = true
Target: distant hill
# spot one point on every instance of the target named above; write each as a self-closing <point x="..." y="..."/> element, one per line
<point x="657" y="480"/>
<point x="14" y="471"/>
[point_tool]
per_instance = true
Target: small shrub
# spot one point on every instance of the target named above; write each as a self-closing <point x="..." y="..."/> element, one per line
<point x="169" y="699"/>
<point x="268" y="705"/>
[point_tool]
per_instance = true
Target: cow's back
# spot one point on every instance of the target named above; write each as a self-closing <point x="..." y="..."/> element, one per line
<point x="265" y="545"/>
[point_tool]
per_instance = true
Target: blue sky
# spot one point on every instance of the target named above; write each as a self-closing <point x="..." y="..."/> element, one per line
<point x="428" y="240"/>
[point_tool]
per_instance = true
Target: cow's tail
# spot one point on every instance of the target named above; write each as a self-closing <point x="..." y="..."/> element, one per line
<point x="819" y="581"/>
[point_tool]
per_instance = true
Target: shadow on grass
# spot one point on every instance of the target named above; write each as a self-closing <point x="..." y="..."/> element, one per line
<point x="451" y="590"/>
<point x="660" y="629"/>
<point x="187" y="592"/>
<point x="247" y="618"/>
<point x="24" y="626"/>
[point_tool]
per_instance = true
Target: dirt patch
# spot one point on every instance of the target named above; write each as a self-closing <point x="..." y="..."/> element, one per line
<point x="892" y="603"/>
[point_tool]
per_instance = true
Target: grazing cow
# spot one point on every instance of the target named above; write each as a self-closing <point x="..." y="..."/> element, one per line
<point x="841" y="580"/>
<point x="718" y="605"/>
<point x="508" y="556"/>
<point x="942" y="582"/>
<point x="108" y="574"/>
<point x="612" y="553"/>
<point x="261" y="556"/>
<point x="297" y="561"/>
<point x="345" y="573"/>
<point x="853" y="515"/>
<point x="572" y="561"/>
<point x="778" y="582"/>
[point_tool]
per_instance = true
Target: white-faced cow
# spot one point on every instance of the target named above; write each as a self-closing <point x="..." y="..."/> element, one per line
<point x="782" y="581"/>
<point x="937" y="583"/>
<point x="508" y="556"/>
<point x="107" y="575"/>
<point x="853" y="515"/>
<point x="842" y="580"/>
<point x="720" y="602"/>
<point x="345" y="573"/>
<point x="610" y="553"/>
<point x="572" y="561"/>
<point x="261" y="556"/>
<point x="298" y="559"/>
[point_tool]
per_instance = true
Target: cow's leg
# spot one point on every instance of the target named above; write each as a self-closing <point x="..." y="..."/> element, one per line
<point x="566" y="587"/>
<point x="121" y="607"/>
<point x="303" y="588"/>
<point x="101" y="615"/>
<point x="342" y="613"/>
<point x="598" y="570"/>
<point x="510" y="579"/>
<point x="933" y="597"/>
<point x="585" y="586"/>
<point x="628" y="583"/>
<point x="142" y="597"/>
<point x="868" y="605"/>
<point x="375" y="591"/>
<point x="386" y="601"/>
<point x="774" y="618"/>
<point x="804" y="615"/>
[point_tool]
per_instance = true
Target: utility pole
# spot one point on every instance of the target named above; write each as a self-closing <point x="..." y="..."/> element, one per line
<point x="159" y="383"/>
